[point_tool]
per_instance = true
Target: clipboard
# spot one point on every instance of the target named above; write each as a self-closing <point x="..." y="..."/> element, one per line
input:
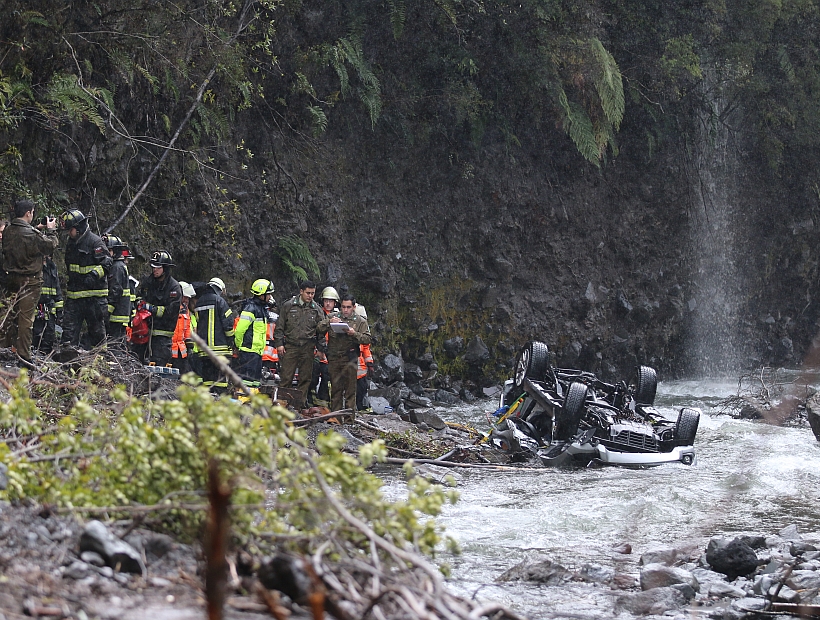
<point x="339" y="328"/>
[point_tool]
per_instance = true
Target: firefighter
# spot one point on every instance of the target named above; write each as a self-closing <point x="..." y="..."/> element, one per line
<point x="50" y="308"/>
<point x="270" y="356"/>
<point x="88" y="263"/>
<point x="180" y="354"/>
<point x="119" y="289"/>
<point x="296" y="337"/>
<point x="213" y="321"/>
<point x="251" y="333"/>
<point x="343" y="348"/>
<point x="365" y="367"/>
<point x="160" y="295"/>
<point x="321" y="375"/>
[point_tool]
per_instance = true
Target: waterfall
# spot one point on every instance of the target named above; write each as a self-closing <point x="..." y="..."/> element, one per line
<point x="714" y="336"/>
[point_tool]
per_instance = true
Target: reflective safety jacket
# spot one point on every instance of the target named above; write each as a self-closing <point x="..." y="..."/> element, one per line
<point x="270" y="354"/>
<point x="87" y="263"/>
<point x="119" y="293"/>
<point x="252" y="328"/>
<point x="181" y="334"/>
<point x="365" y="358"/>
<point x="166" y="295"/>
<point x="51" y="296"/>
<point x="214" y="323"/>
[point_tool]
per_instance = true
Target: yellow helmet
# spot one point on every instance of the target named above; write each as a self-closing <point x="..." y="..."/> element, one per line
<point x="262" y="287"/>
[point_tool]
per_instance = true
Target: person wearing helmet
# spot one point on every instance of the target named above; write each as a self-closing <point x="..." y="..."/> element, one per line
<point x="49" y="309"/>
<point x="160" y="295"/>
<point x="343" y="348"/>
<point x="182" y="334"/>
<point x="23" y="250"/>
<point x="88" y="264"/>
<point x="296" y="338"/>
<point x="320" y="384"/>
<point x="365" y="367"/>
<point x="119" y="289"/>
<point x="213" y="320"/>
<point x="251" y="333"/>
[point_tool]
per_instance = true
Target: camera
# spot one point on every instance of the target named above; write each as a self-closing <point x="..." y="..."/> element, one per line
<point x="45" y="220"/>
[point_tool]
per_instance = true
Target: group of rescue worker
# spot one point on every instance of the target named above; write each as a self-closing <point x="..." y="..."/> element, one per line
<point x="323" y="347"/>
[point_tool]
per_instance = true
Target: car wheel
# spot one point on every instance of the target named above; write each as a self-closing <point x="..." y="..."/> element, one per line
<point x="646" y="385"/>
<point x="687" y="427"/>
<point x="568" y="417"/>
<point x="532" y="362"/>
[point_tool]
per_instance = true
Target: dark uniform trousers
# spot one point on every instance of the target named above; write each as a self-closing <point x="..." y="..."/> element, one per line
<point x="300" y="357"/>
<point x="20" y="318"/>
<point x="156" y="350"/>
<point x="92" y="310"/>
<point x="343" y="383"/>
<point x="321" y="380"/>
<point x="44" y="326"/>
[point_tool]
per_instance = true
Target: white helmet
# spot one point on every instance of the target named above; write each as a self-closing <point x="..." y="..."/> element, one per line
<point x="187" y="289"/>
<point x="217" y="283"/>
<point x="359" y="309"/>
<point x="330" y="293"/>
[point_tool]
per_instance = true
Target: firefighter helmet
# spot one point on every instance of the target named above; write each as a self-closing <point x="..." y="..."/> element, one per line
<point x="217" y="283"/>
<point x="115" y="243"/>
<point x="262" y="287"/>
<point x="187" y="289"/>
<point x="330" y="293"/>
<point x="359" y="309"/>
<point x="161" y="258"/>
<point x="73" y="219"/>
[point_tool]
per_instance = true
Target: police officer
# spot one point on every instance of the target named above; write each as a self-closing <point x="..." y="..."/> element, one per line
<point x="119" y="289"/>
<point x="23" y="250"/>
<point x="161" y="296"/>
<point x="88" y="263"/>
<point x="296" y="338"/>
<point x="251" y="333"/>
<point x="343" y="348"/>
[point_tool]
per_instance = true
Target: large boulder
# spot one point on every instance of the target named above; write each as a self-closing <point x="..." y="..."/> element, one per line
<point x="454" y="346"/>
<point x="544" y="571"/>
<point x="733" y="559"/>
<point x="422" y="416"/>
<point x="655" y="602"/>
<point x="393" y="366"/>
<point x="659" y="575"/>
<point x="477" y="352"/>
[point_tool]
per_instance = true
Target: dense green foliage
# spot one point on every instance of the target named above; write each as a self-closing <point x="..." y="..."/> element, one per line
<point x="142" y="453"/>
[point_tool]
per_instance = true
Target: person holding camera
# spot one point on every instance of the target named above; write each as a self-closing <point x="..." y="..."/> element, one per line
<point x="24" y="247"/>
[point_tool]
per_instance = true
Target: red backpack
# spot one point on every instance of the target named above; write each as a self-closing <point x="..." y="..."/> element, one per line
<point x="141" y="327"/>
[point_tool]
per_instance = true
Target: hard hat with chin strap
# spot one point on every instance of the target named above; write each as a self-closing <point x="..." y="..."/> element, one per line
<point x="217" y="283"/>
<point x="187" y="289"/>
<point x="161" y="258"/>
<point x="73" y="219"/>
<point x="262" y="287"/>
<point x="330" y="293"/>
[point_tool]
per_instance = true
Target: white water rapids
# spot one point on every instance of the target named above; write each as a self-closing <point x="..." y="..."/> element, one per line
<point x="749" y="477"/>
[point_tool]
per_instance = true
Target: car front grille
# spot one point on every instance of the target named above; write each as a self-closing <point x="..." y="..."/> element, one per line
<point x="630" y="440"/>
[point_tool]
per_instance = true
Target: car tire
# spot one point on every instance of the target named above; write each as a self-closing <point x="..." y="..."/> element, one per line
<point x="646" y="385"/>
<point x="568" y="417"/>
<point x="532" y="362"/>
<point x="687" y="427"/>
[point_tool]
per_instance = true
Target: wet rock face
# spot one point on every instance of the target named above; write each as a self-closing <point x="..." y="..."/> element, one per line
<point x="116" y="553"/>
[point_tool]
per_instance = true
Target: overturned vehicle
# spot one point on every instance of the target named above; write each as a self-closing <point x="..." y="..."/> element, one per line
<point x="565" y="417"/>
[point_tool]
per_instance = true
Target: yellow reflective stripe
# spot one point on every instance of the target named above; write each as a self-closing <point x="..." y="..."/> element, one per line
<point x="118" y="319"/>
<point x="160" y="310"/>
<point x="110" y="309"/>
<point x="48" y="290"/>
<point x="89" y="269"/>
<point x="162" y="332"/>
<point x="103" y="292"/>
<point x="59" y="304"/>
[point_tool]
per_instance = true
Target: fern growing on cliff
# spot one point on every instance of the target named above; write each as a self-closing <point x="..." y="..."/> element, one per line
<point x="397" y="16"/>
<point x="297" y="258"/>
<point x="370" y="90"/>
<point x="70" y="99"/>
<point x="608" y="83"/>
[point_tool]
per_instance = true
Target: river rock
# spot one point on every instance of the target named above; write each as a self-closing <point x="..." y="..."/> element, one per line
<point x="656" y="601"/>
<point x="721" y="589"/>
<point x="800" y="548"/>
<point x="659" y="575"/>
<point x="477" y="352"/>
<point x="706" y="576"/>
<point x="790" y="533"/>
<point x="467" y="396"/>
<point x="392" y="395"/>
<point x="665" y="556"/>
<point x="755" y="541"/>
<point x="117" y="553"/>
<point x="543" y="571"/>
<point x="733" y="559"/>
<point x="414" y="401"/>
<point x="393" y="366"/>
<point x="4" y="480"/>
<point x="422" y="416"/>
<point x="804" y="580"/>
<point x="596" y="573"/>
<point x="453" y="346"/>
<point x="413" y="374"/>
<point x="93" y="558"/>
<point x="77" y="570"/>
<point x="445" y="397"/>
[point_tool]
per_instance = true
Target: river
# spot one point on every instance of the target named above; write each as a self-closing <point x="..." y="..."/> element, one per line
<point x="748" y="476"/>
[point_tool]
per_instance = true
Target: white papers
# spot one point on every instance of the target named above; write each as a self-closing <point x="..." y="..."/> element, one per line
<point x="339" y="328"/>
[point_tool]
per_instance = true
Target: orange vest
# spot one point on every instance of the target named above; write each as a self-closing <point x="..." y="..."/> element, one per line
<point x="270" y="354"/>
<point x="365" y="358"/>
<point x="181" y="332"/>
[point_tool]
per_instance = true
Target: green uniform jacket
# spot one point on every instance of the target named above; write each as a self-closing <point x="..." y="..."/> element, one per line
<point x="344" y="346"/>
<point x="24" y="247"/>
<point x="297" y="323"/>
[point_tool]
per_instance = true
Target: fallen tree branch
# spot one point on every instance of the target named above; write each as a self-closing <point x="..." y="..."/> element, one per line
<point x="342" y="413"/>
<point x="220" y="362"/>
